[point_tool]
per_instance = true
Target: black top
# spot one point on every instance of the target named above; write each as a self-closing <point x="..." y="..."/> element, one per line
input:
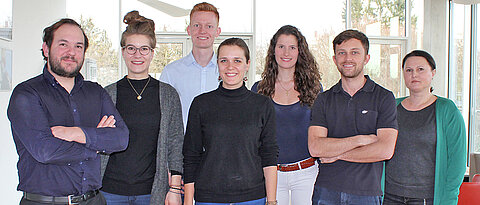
<point x="51" y="166"/>
<point x="411" y="171"/>
<point x="371" y="108"/>
<point x="131" y="172"/>
<point x="230" y="137"/>
<point x="292" y="122"/>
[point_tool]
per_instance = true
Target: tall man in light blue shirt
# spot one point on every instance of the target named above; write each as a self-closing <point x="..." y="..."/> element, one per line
<point x="197" y="72"/>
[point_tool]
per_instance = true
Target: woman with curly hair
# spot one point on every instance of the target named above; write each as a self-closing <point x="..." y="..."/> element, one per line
<point x="292" y="80"/>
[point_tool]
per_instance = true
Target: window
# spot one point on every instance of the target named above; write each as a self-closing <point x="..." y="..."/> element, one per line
<point x="325" y="22"/>
<point x="5" y="69"/>
<point x="459" y="60"/>
<point x="384" y="66"/>
<point x="459" y="63"/>
<point x="475" y="92"/>
<point x="174" y="16"/>
<point x="416" y="26"/>
<point x="384" y="23"/>
<point x="100" y="24"/>
<point x="464" y="62"/>
<point x="166" y="51"/>
<point x="6" y="19"/>
<point x="378" y="18"/>
<point x="6" y="45"/>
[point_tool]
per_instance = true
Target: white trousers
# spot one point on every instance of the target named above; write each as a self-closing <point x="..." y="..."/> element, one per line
<point x="296" y="187"/>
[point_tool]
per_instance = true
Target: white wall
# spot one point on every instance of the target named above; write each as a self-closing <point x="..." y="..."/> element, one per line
<point x="29" y="20"/>
<point x="435" y="41"/>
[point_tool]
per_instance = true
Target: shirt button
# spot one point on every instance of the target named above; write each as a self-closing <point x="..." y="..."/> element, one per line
<point x="69" y="164"/>
<point x="74" y="110"/>
<point x="84" y="179"/>
<point x="86" y="159"/>
<point x="81" y="162"/>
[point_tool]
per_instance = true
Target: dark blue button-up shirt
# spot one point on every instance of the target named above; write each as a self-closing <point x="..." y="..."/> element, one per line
<point x="51" y="166"/>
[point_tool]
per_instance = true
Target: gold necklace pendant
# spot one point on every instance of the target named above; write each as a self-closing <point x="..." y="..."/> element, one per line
<point x="287" y="91"/>
<point x="139" y="95"/>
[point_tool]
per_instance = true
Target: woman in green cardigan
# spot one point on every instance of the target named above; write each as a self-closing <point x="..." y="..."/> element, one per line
<point x="431" y="151"/>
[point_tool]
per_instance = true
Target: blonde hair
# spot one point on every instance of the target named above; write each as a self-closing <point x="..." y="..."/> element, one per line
<point x="137" y="24"/>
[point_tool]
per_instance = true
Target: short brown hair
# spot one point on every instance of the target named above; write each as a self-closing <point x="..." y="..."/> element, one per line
<point x="204" y="6"/>
<point x="48" y="33"/>
<point x="349" y="34"/>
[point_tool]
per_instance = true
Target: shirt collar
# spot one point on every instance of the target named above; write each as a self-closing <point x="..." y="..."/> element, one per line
<point x="191" y="60"/>
<point x="52" y="81"/>
<point x="367" y="87"/>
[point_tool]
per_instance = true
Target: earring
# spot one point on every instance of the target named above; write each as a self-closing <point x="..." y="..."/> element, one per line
<point x="219" y="79"/>
<point x="245" y="79"/>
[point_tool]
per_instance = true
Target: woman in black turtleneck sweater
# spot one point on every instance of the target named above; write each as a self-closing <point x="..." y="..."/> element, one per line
<point x="230" y="150"/>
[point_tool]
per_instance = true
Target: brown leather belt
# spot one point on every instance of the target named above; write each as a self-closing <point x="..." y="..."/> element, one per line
<point x="297" y="165"/>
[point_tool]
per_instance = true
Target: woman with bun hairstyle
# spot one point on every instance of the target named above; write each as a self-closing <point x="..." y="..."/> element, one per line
<point x="292" y="81"/>
<point x="152" y="112"/>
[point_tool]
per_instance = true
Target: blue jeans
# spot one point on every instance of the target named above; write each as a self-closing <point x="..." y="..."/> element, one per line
<point x="115" y="199"/>
<point x="253" y="202"/>
<point x="391" y="199"/>
<point x="323" y="196"/>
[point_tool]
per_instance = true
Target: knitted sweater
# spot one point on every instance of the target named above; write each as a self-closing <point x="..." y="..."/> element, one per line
<point x="230" y="137"/>
<point x="451" y="153"/>
<point x="170" y="140"/>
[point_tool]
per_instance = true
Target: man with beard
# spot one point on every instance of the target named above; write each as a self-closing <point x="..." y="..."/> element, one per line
<point x="353" y="129"/>
<point x="61" y="123"/>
